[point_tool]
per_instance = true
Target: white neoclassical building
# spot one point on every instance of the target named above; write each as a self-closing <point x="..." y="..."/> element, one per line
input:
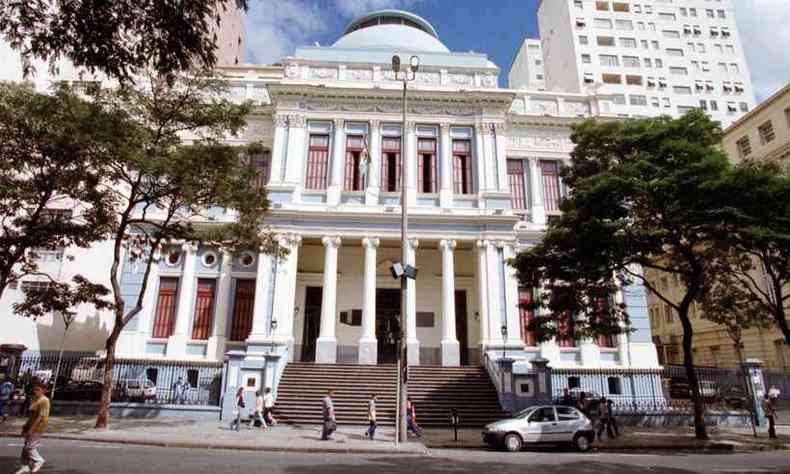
<point x="483" y="163"/>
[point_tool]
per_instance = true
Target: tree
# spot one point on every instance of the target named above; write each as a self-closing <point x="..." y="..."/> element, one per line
<point x="119" y="38"/>
<point x="638" y="200"/>
<point x="175" y="170"/>
<point x="51" y="147"/>
<point x="756" y="213"/>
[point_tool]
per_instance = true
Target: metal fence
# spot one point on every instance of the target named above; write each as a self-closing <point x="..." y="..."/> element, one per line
<point x="779" y="379"/>
<point x="665" y="391"/>
<point x="80" y="378"/>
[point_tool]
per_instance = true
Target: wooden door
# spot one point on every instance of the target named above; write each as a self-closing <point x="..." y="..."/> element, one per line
<point x="312" y="321"/>
<point x="387" y="311"/>
<point x="461" y="327"/>
<point x="203" y="319"/>
<point x="243" y="303"/>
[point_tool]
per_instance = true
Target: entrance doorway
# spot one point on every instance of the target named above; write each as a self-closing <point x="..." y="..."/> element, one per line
<point x="312" y="322"/>
<point x="387" y="312"/>
<point x="461" y="327"/>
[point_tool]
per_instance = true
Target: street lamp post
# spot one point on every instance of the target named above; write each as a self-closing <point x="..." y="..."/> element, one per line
<point x="405" y="75"/>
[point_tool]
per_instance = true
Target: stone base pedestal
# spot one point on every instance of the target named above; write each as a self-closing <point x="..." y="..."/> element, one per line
<point x="325" y="350"/>
<point x="368" y="351"/>
<point x="451" y="353"/>
<point x="413" y="351"/>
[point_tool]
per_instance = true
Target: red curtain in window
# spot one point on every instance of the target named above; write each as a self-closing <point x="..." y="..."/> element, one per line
<point x="525" y="296"/>
<point x="551" y="185"/>
<point x="426" y="165"/>
<point x="390" y="164"/>
<point x="604" y="340"/>
<point x="204" y="309"/>
<point x="563" y="325"/>
<point x="462" y="167"/>
<point x="354" y="146"/>
<point x="243" y="301"/>
<point x="260" y="163"/>
<point x="166" y="304"/>
<point x="518" y="188"/>
<point x="317" y="162"/>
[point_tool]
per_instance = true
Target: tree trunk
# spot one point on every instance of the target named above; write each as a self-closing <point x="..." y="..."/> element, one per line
<point x="57" y="368"/>
<point x="103" y="418"/>
<point x="779" y="309"/>
<point x="691" y="375"/>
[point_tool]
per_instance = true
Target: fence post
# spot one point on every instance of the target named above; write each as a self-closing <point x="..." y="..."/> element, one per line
<point x="543" y="391"/>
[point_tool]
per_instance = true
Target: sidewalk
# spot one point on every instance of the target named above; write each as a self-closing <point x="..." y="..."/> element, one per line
<point x="213" y="435"/>
<point x="641" y="439"/>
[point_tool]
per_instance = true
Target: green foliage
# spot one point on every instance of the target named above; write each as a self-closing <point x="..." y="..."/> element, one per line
<point x="64" y="298"/>
<point x="119" y="38"/>
<point x="728" y="304"/>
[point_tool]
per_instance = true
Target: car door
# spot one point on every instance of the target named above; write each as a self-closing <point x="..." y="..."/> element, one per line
<point x="540" y="425"/>
<point x="568" y="422"/>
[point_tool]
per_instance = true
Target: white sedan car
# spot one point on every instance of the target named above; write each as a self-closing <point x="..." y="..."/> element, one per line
<point x="541" y="425"/>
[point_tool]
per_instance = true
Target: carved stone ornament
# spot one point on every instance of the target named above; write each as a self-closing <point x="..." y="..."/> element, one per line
<point x="280" y="120"/>
<point x="297" y="121"/>
<point x="428" y="78"/>
<point x="543" y="107"/>
<point x="577" y="108"/>
<point x="323" y="73"/>
<point x="260" y="95"/>
<point x="489" y="80"/>
<point x="461" y="79"/>
<point x="292" y="71"/>
<point x="359" y="75"/>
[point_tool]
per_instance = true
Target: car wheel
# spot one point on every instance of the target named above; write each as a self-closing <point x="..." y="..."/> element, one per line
<point x="582" y="443"/>
<point x="513" y="443"/>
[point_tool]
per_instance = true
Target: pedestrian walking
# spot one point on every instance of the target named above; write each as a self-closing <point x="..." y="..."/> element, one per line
<point x="268" y="407"/>
<point x="371" y="432"/>
<point x="330" y="423"/>
<point x="581" y="404"/>
<point x="411" y="418"/>
<point x="180" y="391"/>
<point x="567" y="398"/>
<point x="603" y="418"/>
<point x="773" y="393"/>
<point x="238" y="405"/>
<point x="258" y="415"/>
<point x="27" y="386"/>
<point x="6" y="391"/>
<point x="31" y="460"/>
<point x="770" y="413"/>
<point x="611" y="422"/>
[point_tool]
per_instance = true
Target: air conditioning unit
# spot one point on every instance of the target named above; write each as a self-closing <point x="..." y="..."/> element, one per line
<point x="739" y="89"/>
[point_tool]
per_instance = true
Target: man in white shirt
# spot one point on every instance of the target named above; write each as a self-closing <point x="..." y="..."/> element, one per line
<point x="268" y="407"/>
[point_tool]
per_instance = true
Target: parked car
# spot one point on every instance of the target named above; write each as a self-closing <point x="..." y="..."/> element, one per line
<point x="735" y="397"/>
<point x="135" y="390"/>
<point x="680" y="388"/>
<point x="545" y="424"/>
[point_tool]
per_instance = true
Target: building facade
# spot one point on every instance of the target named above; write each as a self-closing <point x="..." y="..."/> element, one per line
<point x="655" y="57"/>
<point x="762" y="134"/>
<point x="527" y="72"/>
<point x="484" y="178"/>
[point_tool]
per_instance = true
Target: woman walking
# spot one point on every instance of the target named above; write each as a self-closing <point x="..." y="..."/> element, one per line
<point x="258" y="411"/>
<point x="411" y="418"/>
<point x="238" y="404"/>
<point x="371" y="432"/>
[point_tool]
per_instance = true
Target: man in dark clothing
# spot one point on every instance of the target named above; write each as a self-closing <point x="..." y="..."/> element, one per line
<point x="770" y="414"/>
<point x="567" y="398"/>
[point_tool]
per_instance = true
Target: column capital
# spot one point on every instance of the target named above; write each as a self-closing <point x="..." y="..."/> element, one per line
<point x="280" y="120"/>
<point x="502" y="244"/>
<point x="297" y="121"/>
<point x="375" y="125"/>
<point x="447" y="244"/>
<point x="414" y="243"/>
<point x="338" y="122"/>
<point x="499" y="127"/>
<point x="411" y="126"/>
<point x="289" y="240"/>
<point x="189" y="247"/>
<point x="482" y="244"/>
<point x="445" y="127"/>
<point x="331" y="241"/>
<point x="370" y="242"/>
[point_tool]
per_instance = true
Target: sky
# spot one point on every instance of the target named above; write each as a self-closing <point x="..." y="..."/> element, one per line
<point x="495" y="27"/>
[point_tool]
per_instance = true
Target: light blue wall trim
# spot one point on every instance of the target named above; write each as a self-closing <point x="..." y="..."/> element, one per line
<point x="498" y="203"/>
<point x="314" y="198"/>
<point x="156" y="348"/>
<point x="352" y="199"/>
<point x="361" y="225"/>
<point x="131" y="286"/>
<point x="390" y="200"/>
<point x="280" y="197"/>
<point x="635" y="299"/>
<point x="428" y="201"/>
<point x="197" y="349"/>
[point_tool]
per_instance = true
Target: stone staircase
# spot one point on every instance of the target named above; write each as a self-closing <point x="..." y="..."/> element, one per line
<point x="433" y="389"/>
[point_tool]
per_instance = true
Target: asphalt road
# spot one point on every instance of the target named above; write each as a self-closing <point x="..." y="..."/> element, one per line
<point x="74" y="457"/>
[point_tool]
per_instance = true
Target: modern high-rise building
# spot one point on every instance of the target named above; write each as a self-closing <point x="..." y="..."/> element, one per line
<point x="527" y="72"/>
<point x="230" y="36"/>
<point x="654" y="56"/>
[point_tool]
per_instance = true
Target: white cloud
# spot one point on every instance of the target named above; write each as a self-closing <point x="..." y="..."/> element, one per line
<point x="765" y="36"/>
<point x="275" y="27"/>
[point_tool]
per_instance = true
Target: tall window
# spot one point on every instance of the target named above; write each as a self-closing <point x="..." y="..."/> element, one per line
<point x="552" y="190"/>
<point x="462" y="167"/>
<point x="564" y="327"/>
<point x="518" y="184"/>
<point x="525" y="297"/>
<point x="204" y="309"/>
<point x="243" y="301"/>
<point x="426" y="165"/>
<point x="317" y="162"/>
<point x="602" y="307"/>
<point x="166" y="304"/>
<point x="355" y="144"/>
<point x="390" y="164"/>
<point x="260" y="163"/>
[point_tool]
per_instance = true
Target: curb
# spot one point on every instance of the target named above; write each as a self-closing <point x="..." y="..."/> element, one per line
<point x="723" y="447"/>
<point x="222" y="446"/>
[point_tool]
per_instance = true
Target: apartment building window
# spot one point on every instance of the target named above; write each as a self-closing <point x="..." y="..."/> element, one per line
<point x="602" y="23"/>
<point x="552" y="188"/>
<point x="583" y="40"/>
<point x="655" y="45"/>
<point x="426" y="165"/>
<point x="719" y="48"/>
<point x="679" y="71"/>
<point x="564" y="327"/>
<point x="637" y="99"/>
<point x="723" y="68"/>
<point x="618" y="99"/>
<point x="666" y="102"/>
<point x="648" y="62"/>
<point x="744" y="147"/>
<point x="586" y="59"/>
<point x="633" y="80"/>
<point x="695" y="65"/>
<point x="317" y="162"/>
<point x="462" y="167"/>
<point x="675" y="52"/>
<point x="637" y="8"/>
<point x="640" y="25"/>
<point x="34" y="287"/>
<point x="684" y="109"/>
<point x="580" y="23"/>
<point x="721" y="13"/>
<point x="654" y="102"/>
<point x="714" y="32"/>
<point x="631" y="61"/>
<point x="684" y="11"/>
<point x="692" y="12"/>
<point x="620" y="7"/>
<point x="734" y="68"/>
<point x="605" y="41"/>
<point x="670" y="33"/>
<point x="602" y="6"/>
<point x="628" y="42"/>
<point x="167" y="301"/>
<point x="648" y="9"/>
<point x="703" y="104"/>
<point x="624" y="24"/>
<point x="701" y="48"/>
<point x="730" y="49"/>
<point x="203" y="318"/>
<point x="766" y="131"/>
<point x="390" y="164"/>
<point x="517" y="179"/>
<point x="659" y="63"/>
<point x="682" y="90"/>
<point x="645" y="44"/>
<point x="243" y="303"/>
<point x="260" y="162"/>
<point x="709" y="13"/>
<point x="651" y="26"/>
<point x="714" y="106"/>
<point x="743" y="106"/>
<point x="667" y="314"/>
<point x="578" y="4"/>
<point x="526" y="297"/>
<point x="705" y="66"/>
<point x="608" y="60"/>
<point x="612" y="78"/>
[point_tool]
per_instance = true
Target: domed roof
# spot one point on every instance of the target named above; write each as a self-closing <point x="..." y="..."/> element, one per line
<point x="391" y="29"/>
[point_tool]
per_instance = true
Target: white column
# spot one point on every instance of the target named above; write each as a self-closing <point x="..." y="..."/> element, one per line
<point x="412" y="343"/>
<point x="326" y="345"/>
<point x="480" y="158"/>
<point x="590" y="353"/>
<point x="294" y="160"/>
<point x="511" y="296"/>
<point x="284" y="296"/>
<point x="373" y="184"/>
<point x="216" y="343"/>
<point x="495" y="294"/>
<point x="490" y="163"/>
<point x="368" y="345"/>
<point x="500" y="144"/>
<point x="263" y="294"/>
<point x="451" y="355"/>
<point x="410" y="155"/>
<point x="177" y="343"/>
<point x="538" y="211"/>
<point x="335" y="187"/>
<point x="446" y="167"/>
<point x="279" y="148"/>
<point x="549" y="350"/>
<point x="482" y="292"/>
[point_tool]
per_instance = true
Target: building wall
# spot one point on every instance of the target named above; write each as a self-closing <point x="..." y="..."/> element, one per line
<point x="773" y="114"/>
<point x="527" y="70"/>
<point x="560" y="45"/>
<point x="230" y="36"/>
